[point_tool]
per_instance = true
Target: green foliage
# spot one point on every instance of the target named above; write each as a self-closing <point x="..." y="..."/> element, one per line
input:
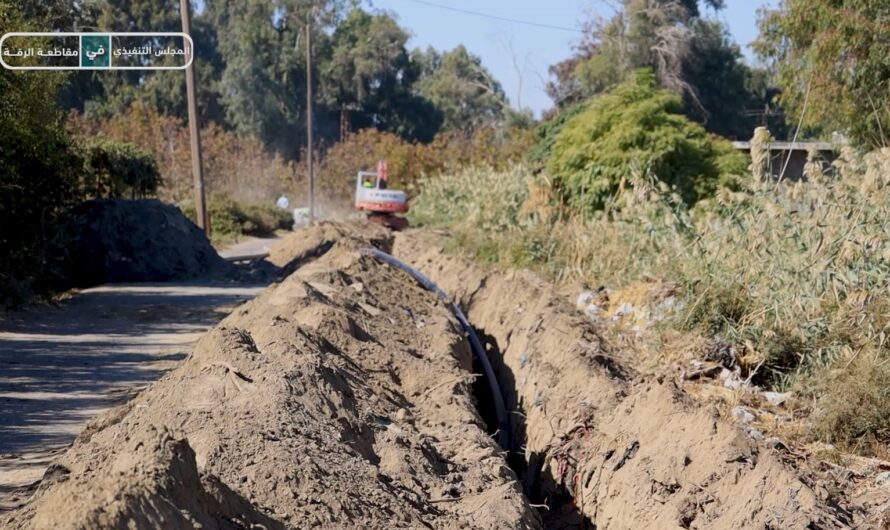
<point x="410" y="161"/>
<point x="263" y="84"/>
<point x="231" y="220"/>
<point x="692" y="57"/>
<point x="725" y="90"/>
<point x="369" y="78"/>
<point x="636" y="128"/>
<point x="254" y="81"/>
<point x="478" y="197"/>
<point x="461" y="88"/>
<point x="547" y="133"/>
<point x="793" y="275"/>
<point x="37" y="173"/>
<point x="833" y="55"/>
<point x="109" y="93"/>
<point x="118" y="170"/>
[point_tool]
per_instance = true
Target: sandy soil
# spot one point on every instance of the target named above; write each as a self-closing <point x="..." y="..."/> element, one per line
<point x="249" y="248"/>
<point x="344" y="397"/>
<point x="629" y="451"/>
<point x="60" y="366"/>
<point x="341" y="396"/>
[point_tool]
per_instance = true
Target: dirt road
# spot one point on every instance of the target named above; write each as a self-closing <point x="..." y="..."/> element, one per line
<point x="60" y="366"/>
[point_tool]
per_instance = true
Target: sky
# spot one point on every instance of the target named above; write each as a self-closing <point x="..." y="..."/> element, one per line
<point x="518" y="54"/>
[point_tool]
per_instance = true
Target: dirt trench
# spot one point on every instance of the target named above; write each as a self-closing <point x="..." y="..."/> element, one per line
<point x="343" y="396"/>
<point x="339" y="397"/>
<point x="604" y="447"/>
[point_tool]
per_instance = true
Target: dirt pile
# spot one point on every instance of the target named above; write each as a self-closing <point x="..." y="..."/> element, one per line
<point x="339" y="398"/>
<point x="318" y="238"/>
<point x="117" y="240"/>
<point x="629" y="451"/>
<point x="149" y="479"/>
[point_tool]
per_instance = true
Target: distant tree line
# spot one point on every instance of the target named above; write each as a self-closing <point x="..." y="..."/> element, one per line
<point x="251" y="71"/>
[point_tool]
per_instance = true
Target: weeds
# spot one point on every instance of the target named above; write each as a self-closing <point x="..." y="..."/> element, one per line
<point x="231" y="220"/>
<point x="794" y="275"/>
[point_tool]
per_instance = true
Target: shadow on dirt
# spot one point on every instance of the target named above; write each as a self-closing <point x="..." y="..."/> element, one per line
<point x="540" y="488"/>
<point x="61" y="365"/>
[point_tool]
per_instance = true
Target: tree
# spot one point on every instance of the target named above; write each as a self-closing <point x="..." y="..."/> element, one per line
<point x="729" y="98"/>
<point x="110" y="93"/>
<point x="263" y="86"/>
<point x="461" y="88"/>
<point x="368" y="77"/>
<point x="636" y="127"/>
<point x="37" y="169"/>
<point x="832" y="63"/>
<point x="692" y="56"/>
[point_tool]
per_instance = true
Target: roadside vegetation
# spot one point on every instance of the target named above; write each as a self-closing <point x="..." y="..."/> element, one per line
<point x="794" y="275"/>
<point x="622" y="192"/>
<point x="70" y="137"/>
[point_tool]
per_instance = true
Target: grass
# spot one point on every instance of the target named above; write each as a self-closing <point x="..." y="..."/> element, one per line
<point x="231" y="220"/>
<point x="793" y="275"/>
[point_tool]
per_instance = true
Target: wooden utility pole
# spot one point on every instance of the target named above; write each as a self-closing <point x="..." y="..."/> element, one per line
<point x="309" y="152"/>
<point x="194" y="129"/>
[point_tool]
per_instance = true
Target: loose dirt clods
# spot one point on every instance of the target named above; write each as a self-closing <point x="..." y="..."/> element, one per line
<point x="628" y="451"/>
<point x="342" y="397"/>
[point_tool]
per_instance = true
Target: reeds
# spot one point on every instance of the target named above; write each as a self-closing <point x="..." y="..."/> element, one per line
<point x="795" y="274"/>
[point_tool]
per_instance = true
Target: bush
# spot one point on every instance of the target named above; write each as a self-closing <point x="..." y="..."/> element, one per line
<point x="238" y="167"/>
<point x="118" y="170"/>
<point x="409" y="162"/>
<point x="793" y="275"/>
<point x="636" y="128"/>
<point x="545" y="136"/>
<point x="854" y="412"/>
<point x="486" y="199"/>
<point x="38" y="175"/>
<point x="231" y="220"/>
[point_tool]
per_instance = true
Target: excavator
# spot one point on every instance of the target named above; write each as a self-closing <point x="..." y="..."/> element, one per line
<point x="380" y="203"/>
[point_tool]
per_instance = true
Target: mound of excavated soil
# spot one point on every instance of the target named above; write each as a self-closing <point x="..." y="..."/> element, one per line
<point x="118" y="240"/>
<point x="318" y="238"/>
<point x="631" y="452"/>
<point x="340" y="398"/>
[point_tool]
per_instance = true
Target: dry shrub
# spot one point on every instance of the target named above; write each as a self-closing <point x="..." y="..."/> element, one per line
<point x="243" y="170"/>
<point x="854" y="411"/>
<point x="240" y="168"/>
<point x="793" y="275"/>
<point x="409" y="162"/>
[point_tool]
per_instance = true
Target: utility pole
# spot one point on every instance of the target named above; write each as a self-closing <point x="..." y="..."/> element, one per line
<point x="194" y="130"/>
<point x="309" y="152"/>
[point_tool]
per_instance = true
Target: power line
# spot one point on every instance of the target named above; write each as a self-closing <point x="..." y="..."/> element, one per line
<point x="496" y="17"/>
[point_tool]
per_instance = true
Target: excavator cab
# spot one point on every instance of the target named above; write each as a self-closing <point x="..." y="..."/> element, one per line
<point x="381" y="204"/>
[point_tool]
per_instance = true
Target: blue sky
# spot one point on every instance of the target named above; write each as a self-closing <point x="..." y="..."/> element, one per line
<point x="518" y="55"/>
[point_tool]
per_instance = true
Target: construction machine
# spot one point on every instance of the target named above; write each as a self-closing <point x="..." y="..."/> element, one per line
<point x="380" y="203"/>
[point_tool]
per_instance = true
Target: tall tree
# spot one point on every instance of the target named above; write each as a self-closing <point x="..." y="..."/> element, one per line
<point x="112" y="92"/>
<point x="832" y="63"/>
<point x="729" y="98"/>
<point x="38" y="167"/>
<point x="691" y="55"/>
<point x="368" y="78"/>
<point x="459" y="85"/>
<point x="263" y="86"/>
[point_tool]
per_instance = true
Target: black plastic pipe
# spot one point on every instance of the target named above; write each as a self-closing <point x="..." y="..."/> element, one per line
<point x="493" y="386"/>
